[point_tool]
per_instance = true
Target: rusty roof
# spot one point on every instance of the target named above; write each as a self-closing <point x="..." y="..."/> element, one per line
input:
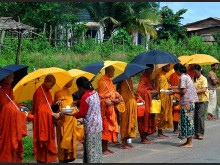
<point x="7" y="23"/>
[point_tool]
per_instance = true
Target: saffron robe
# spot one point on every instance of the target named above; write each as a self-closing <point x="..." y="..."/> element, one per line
<point x="175" y="81"/>
<point x="43" y="127"/>
<point x="66" y="128"/>
<point x="147" y="123"/>
<point x="12" y="128"/>
<point x="107" y="91"/>
<point x="165" y="117"/>
<point x="128" y="119"/>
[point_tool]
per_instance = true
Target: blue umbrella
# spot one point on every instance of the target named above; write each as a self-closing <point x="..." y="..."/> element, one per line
<point x="94" y="67"/>
<point x="19" y="72"/>
<point x="155" y="57"/>
<point x="130" y="70"/>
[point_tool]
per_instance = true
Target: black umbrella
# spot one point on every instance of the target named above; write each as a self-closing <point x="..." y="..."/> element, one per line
<point x="130" y="70"/>
<point x="19" y="72"/>
<point x="155" y="57"/>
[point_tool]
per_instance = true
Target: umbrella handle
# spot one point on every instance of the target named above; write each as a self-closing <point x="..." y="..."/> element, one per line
<point x="12" y="101"/>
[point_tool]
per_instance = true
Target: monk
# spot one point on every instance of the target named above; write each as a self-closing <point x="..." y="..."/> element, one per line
<point x="175" y="82"/>
<point x="190" y="71"/>
<point x="147" y="123"/>
<point x="43" y="127"/>
<point x="128" y="119"/>
<point x="66" y="127"/>
<point x="165" y="117"/>
<point x="109" y="97"/>
<point x="12" y="124"/>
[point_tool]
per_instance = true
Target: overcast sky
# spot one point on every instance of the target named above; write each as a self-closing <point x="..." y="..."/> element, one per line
<point x="196" y="10"/>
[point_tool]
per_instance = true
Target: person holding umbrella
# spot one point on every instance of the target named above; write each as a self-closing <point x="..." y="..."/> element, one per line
<point x="43" y="128"/>
<point x="146" y="88"/>
<point x="165" y="117"/>
<point x="66" y="128"/>
<point x="128" y="118"/>
<point x="109" y="99"/>
<point x="12" y="123"/>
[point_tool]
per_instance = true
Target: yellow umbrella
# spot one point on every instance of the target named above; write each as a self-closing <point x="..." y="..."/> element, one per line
<point x="75" y="74"/>
<point x="202" y="59"/>
<point x="98" y="69"/>
<point x="25" y="88"/>
<point x="184" y="59"/>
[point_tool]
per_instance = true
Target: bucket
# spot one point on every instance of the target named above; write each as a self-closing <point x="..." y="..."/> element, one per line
<point x="155" y="106"/>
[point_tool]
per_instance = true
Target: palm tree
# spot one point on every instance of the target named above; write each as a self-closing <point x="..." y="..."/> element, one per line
<point x="134" y="16"/>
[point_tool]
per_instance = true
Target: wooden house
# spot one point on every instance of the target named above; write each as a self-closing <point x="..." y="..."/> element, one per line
<point x="205" y="28"/>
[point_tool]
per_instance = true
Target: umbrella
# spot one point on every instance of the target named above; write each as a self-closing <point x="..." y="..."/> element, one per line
<point x="184" y="59"/>
<point x="130" y="70"/>
<point x="202" y="59"/>
<point x="98" y="69"/>
<point x="25" y="88"/>
<point x="158" y="68"/>
<point x="75" y="74"/>
<point x="19" y="72"/>
<point x="155" y="57"/>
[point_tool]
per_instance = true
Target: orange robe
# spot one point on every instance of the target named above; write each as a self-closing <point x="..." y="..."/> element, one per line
<point x="165" y="117"/>
<point x="107" y="90"/>
<point x="12" y="128"/>
<point x="175" y="81"/>
<point x="66" y="128"/>
<point x="43" y="127"/>
<point x="190" y="73"/>
<point x="147" y="123"/>
<point x="128" y="119"/>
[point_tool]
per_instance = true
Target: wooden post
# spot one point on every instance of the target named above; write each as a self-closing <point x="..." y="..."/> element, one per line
<point x="71" y="36"/>
<point x="123" y="44"/>
<point x="19" y="48"/>
<point x="55" y="36"/>
<point x="44" y="31"/>
<point x="2" y="40"/>
<point x="113" y="49"/>
<point x="50" y="35"/>
<point x="67" y="43"/>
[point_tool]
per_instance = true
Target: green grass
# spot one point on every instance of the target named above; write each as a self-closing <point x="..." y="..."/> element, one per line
<point x="28" y="149"/>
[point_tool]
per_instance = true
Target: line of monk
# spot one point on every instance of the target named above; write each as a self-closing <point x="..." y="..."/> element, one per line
<point x="118" y="111"/>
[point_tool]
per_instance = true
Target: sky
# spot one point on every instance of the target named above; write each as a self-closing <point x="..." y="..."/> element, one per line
<point x="196" y="10"/>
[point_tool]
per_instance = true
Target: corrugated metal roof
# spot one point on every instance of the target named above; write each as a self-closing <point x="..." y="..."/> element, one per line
<point x="7" y="23"/>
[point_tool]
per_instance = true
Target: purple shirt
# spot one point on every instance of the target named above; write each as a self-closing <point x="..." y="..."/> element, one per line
<point x="191" y="94"/>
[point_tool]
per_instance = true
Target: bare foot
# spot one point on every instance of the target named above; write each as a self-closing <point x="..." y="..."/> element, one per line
<point x="112" y="152"/>
<point x="162" y="136"/>
<point x="182" y="144"/>
<point x="131" y="146"/>
<point x="187" y="146"/>
<point x="147" y="142"/>
<point x="125" y="146"/>
<point x="106" y="152"/>
<point x="176" y="132"/>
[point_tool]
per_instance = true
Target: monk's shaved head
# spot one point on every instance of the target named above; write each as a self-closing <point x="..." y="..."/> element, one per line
<point x="50" y="78"/>
<point x="109" y="71"/>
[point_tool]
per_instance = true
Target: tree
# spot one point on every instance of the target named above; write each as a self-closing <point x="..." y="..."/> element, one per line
<point x="37" y="13"/>
<point x="133" y="16"/>
<point x="171" y="24"/>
